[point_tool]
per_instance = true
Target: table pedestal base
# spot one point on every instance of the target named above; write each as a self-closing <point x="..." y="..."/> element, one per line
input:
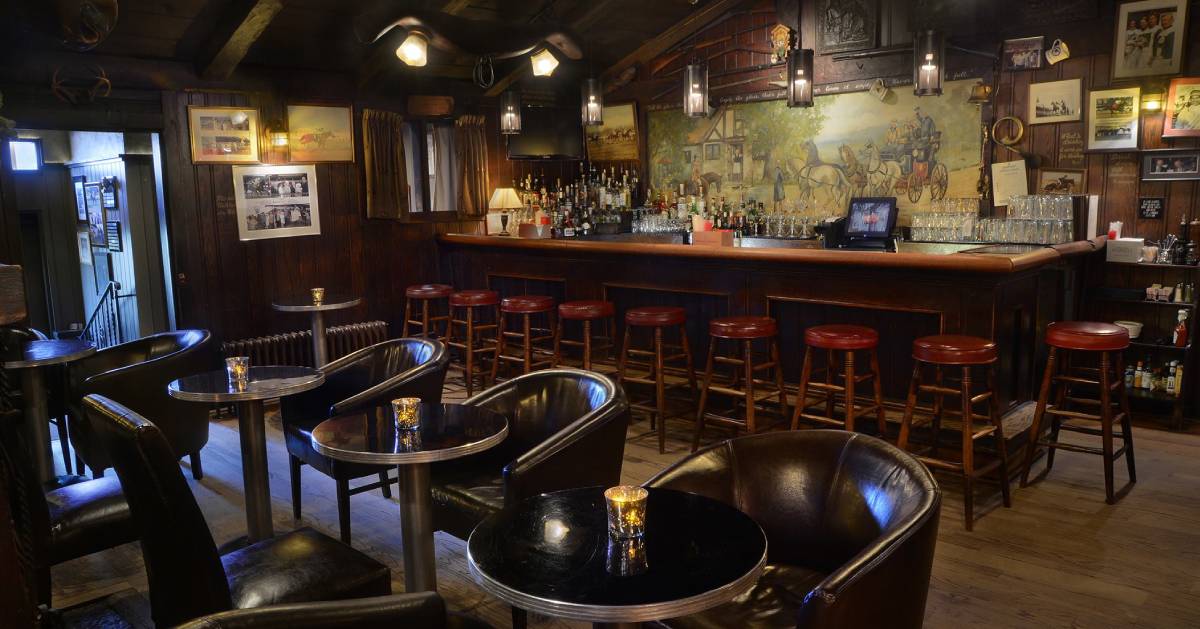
<point x="416" y="528"/>
<point x="37" y="421"/>
<point x="254" y="470"/>
<point x="320" y="352"/>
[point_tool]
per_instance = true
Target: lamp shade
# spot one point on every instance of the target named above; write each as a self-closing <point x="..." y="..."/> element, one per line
<point x="543" y="62"/>
<point x="800" y="78"/>
<point x="510" y="113"/>
<point x="593" y="103"/>
<point x="505" y="199"/>
<point x="695" y="90"/>
<point x="929" y="63"/>
<point x="414" y="51"/>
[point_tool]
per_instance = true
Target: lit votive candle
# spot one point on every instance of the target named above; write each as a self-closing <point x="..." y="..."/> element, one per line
<point x="626" y="511"/>
<point x="626" y="557"/>
<point x="237" y="368"/>
<point x="406" y="413"/>
<point x="318" y="296"/>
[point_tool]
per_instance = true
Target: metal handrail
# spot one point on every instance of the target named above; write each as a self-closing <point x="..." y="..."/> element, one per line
<point x="104" y="325"/>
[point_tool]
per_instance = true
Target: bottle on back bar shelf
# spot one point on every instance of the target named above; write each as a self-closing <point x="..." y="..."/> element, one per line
<point x="1180" y="336"/>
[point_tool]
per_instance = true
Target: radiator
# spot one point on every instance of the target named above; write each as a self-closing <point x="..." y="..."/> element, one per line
<point x="295" y="348"/>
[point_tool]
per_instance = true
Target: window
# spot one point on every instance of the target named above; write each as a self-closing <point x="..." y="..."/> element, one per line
<point x="26" y="155"/>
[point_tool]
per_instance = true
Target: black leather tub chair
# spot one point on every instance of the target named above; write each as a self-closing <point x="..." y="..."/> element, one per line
<point x="425" y="610"/>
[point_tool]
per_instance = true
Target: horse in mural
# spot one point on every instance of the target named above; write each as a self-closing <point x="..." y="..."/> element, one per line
<point x="856" y="173"/>
<point x="825" y="184"/>
<point x="882" y="174"/>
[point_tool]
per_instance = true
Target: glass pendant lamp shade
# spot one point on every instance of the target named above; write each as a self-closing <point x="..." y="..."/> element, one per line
<point x="510" y="113"/>
<point x="800" y="78"/>
<point x="695" y="90"/>
<point x="414" y="51"/>
<point x="544" y="62"/>
<point x="593" y="103"/>
<point x="929" y="63"/>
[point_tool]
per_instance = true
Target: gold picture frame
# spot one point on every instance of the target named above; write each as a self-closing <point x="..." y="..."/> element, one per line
<point x="320" y="132"/>
<point x="223" y="135"/>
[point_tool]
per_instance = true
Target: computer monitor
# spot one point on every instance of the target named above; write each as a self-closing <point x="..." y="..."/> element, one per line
<point x="871" y="217"/>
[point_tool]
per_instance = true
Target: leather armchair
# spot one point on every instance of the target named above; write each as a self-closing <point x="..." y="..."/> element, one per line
<point x="566" y="429"/>
<point x="186" y="575"/>
<point x="371" y="376"/>
<point x="420" y="609"/>
<point x="137" y="374"/>
<point x="851" y="523"/>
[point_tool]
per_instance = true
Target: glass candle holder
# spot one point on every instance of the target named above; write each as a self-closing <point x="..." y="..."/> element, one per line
<point x="237" y="368"/>
<point x="318" y="296"/>
<point x="408" y="441"/>
<point x="406" y="413"/>
<point x="626" y="557"/>
<point x="626" y="511"/>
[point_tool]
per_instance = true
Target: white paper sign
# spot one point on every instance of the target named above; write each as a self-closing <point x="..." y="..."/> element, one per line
<point x="1008" y="180"/>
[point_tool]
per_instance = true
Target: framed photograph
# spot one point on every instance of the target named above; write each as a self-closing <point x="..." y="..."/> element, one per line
<point x="1151" y="207"/>
<point x="1024" y="53"/>
<point x="1062" y="181"/>
<point x="1150" y="38"/>
<point x="1056" y="101"/>
<point x="80" y="202"/>
<point x="223" y="135"/>
<point x="1183" y="109"/>
<point x="276" y="201"/>
<point x="85" y="248"/>
<point x="320" y="133"/>
<point x="1171" y="165"/>
<point x="1113" y="119"/>
<point x="846" y="25"/>
<point x="617" y="138"/>
<point x="94" y="201"/>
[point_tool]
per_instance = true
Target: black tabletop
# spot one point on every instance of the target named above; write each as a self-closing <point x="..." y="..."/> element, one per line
<point x="304" y="303"/>
<point x="553" y="555"/>
<point x="448" y="431"/>
<point x="263" y="383"/>
<point x="49" y="352"/>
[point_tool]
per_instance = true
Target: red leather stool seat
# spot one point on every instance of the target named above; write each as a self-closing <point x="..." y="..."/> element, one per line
<point x="585" y="310"/>
<point x="527" y="304"/>
<point x="841" y="337"/>
<point x="743" y="327"/>
<point x="1087" y="336"/>
<point x="428" y="291"/>
<point x="954" y="349"/>
<point x="655" y="316"/>
<point x="475" y="298"/>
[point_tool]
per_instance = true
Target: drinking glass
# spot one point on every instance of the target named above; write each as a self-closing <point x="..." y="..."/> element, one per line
<point x="237" y="369"/>
<point x="318" y="295"/>
<point x="626" y="511"/>
<point x="406" y="413"/>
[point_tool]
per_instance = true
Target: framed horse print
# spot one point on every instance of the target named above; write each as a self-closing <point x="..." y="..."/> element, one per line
<point x="320" y="133"/>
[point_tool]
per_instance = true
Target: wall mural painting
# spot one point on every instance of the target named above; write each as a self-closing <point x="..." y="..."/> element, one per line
<point x="846" y="145"/>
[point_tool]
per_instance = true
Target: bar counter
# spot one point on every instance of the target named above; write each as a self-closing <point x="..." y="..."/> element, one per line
<point x="1008" y="293"/>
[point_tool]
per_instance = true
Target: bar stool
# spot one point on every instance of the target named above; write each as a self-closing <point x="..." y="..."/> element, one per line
<point x="525" y="306"/>
<point x="426" y="293"/>
<point x="474" y="302"/>
<point x="657" y="318"/>
<point x="963" y="352"/>
<point x="743" y="330"/>
<point x="847" y="339"/>
<point x="1107" y="342"/>
<point x="585" y="311"/>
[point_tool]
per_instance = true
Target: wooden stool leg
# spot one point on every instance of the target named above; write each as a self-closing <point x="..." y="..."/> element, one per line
<point x="558" y="333"/>
<point x="939" y="406"/>
<point x="748" y="366"/>
<point x="687" y="356"/>
<point x="828" y="381"/>
<point x="621" y="361"/>
<point x="1039" y="411"/>
<point x="1126" y="421"/>
<point x="587" y="343"/>
<point x="424" y="318"/>
<point x="660" y="394"/>
<point x="910" y="404"/>
<point x="778" y="369"/>
<point x="470" y="351"/>
<point x="501" y="322"/>
<point x="1001" y="442"/>
<point x="407" y="315"/>
<point x="877" y="382"/>
<point x="526" y="346"/>
<point x="802" y="392"/>
<point x="968" y="451"/>
<point x="708" y="373"/>
<point x="849" y="361"/>
<point x="1106" y="428"/>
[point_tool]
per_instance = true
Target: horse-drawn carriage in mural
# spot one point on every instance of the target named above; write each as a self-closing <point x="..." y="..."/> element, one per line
<point x="919" y="167"/>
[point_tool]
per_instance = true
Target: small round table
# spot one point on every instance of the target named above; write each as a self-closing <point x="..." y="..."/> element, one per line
<point x="447" y="431"/>
<point x="264" y="383"/>
<point x="34" y="356"/>
<point x="552" y="554"/>
<point x="305" y="304"/>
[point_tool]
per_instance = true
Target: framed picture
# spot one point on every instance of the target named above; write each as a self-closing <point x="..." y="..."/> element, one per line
<point x="94" y="201"/>
<point x="1151" y="207"/>
<point x="617" y="138"/>
<point x="1149" y="39"/>
<point x="80" y="202"/>
<point x="276" y="201"/>
<point x="1024" y="53"/>
<point x="320" y="133"/>
<point x="1171" y="165"/>
<point x="845" y="25"/>
<point x="223" y="135"/>
<point x="1113" y="119"/>
<point x="85" y="248"/>
<point x="1056" y="101"/>
<point x="1183" y="109"/>
<point x="1062" y="181"/>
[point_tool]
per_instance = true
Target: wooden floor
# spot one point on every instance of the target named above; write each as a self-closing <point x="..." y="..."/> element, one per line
<point x="1059" y="558"/>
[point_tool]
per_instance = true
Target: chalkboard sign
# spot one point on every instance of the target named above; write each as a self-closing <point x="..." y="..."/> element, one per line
<point x="1151" y="207"/>
<point x="113" y="232"/>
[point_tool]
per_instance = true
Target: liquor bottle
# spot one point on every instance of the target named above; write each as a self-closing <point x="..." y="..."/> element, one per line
<point x="1137" y="376"/>
<point x="1170" y="388"/>
<point x="1178" y="380"/>
<point x="1180" y="336"/>
<point x="1128" y="376"/>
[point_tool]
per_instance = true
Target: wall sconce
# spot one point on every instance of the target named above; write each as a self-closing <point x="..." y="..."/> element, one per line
<point x="415" y="49"/>
<point x="929" y="60"/>
<point x="980" y="93"/>
<point x="510" y="113"/>
<point x="1152" y="101"/>
<point x="695" y="90"/>
<point x="593" y="103"/>
<point x="278" y="135"/>
<point x="543" y="62"/>
<point x="800" y="78"/>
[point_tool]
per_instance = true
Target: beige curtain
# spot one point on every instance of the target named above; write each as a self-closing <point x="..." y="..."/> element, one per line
<point x="471" y="145"/>
<point x="384" y="163"/>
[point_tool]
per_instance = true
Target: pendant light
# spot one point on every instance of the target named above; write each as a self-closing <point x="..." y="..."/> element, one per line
<point x="695" y="90"/>
<point x="929" y="63"/>
<point x="800" y="78"/>
<point x="414" y="51"/>
<point x="593" y="103"/>
<point x="544" y="62"/>
<point x="510" y="113"/>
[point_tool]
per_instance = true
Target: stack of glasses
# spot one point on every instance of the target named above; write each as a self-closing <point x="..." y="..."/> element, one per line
<point x="1043" y="219"/>
<point x="949" y="220"/>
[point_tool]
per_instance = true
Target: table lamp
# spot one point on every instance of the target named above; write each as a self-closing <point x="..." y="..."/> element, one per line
<point x="504" y="199"/>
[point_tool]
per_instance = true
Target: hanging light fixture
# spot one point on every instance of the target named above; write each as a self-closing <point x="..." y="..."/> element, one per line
<point x="695" y="90"/>
<point x="414" y="51"/>
<point x="800" y="78"/>
<point x="543" y="62"/>
<point x="929" y="63"/>
<point x="510" y="113"/>
<point x="593" y="103"/>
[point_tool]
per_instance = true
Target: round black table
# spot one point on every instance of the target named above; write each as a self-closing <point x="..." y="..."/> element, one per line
<point x="264" y="383"/>
<point x="34" y="356"/>
<point x="447" y="431"/>
<point x="305" y="304"/>
<point x="553" y="555"/>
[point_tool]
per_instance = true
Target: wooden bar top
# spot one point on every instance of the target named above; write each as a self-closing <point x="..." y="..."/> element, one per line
<point x="996" y="259"/>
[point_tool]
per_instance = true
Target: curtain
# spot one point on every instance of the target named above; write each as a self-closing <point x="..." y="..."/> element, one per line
<point x="413" y="135"/>
<point x="445" y="193"/>
<point x="385" y="164"/>
<point x="471" y="147"/>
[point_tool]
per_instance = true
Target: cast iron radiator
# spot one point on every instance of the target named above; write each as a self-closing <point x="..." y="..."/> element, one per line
<point x="295" y="348"/>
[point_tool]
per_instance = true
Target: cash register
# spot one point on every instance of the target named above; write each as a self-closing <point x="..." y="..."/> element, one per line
<point x="867" y="226"/>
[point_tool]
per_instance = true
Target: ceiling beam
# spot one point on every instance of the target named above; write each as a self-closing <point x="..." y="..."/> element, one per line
<point x="668" y="38"/>
<point x="580" y="24"/>
<point x="233" y="36"/>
